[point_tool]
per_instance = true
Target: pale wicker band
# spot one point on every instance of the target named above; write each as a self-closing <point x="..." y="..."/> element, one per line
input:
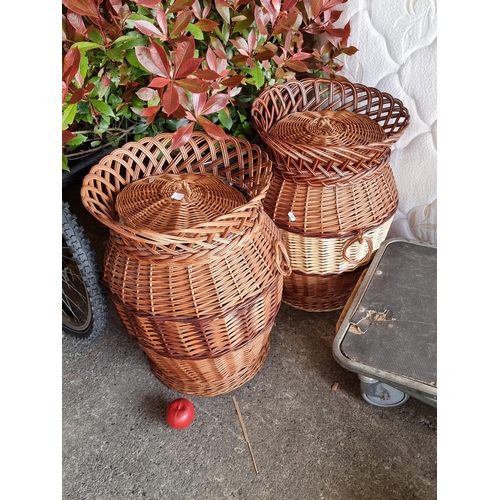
<point x="333" y="255"/>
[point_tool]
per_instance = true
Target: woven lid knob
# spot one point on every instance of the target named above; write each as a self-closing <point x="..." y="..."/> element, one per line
<point x="171" y="202"/>
<point x="328" y="128"/>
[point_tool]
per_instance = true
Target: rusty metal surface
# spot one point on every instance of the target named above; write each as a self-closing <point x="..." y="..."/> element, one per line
<point x="393" y="327"/>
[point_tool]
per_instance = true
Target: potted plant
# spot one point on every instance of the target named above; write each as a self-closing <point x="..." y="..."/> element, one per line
<point x="133" y="68"/>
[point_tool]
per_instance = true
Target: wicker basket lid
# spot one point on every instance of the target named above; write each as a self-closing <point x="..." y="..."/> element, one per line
<point x="170" y="202"/>
<point x="328" y="128"/>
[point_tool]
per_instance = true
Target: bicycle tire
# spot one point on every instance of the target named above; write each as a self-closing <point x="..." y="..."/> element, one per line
<point x="85" y="303"/>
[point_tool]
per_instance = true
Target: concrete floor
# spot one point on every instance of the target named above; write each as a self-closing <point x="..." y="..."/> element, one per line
<point x="309" y="441"/>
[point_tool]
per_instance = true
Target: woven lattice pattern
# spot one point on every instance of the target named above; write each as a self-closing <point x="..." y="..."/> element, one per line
<point x="320" y="292"/>
<point x="207" y="336"/>
<point x="212" y="376"/>
<point x="332" y="209"/>
<point x="328" y="128"/>
<point x="167" y="203"/>
<point x="333" y="255"/>
<point x="204" y="287"/>
<point x="234" y="160"/>
<point x="331" y="161"/>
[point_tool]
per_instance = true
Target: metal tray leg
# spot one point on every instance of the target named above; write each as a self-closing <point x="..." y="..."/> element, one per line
<point x="380" y="394"/>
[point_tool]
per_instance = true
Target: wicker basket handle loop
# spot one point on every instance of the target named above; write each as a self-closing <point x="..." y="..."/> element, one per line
<point x="282" y="259"/>
<point x="358" y="239"/>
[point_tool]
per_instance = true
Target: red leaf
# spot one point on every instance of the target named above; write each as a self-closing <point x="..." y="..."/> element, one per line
<point x="146" y="94"/>
<point x="313" y="8"/>
<point x="232" y="81"/>
<point x="260" y="20"/>
<point x="76" y="21"/>
<point x="181" y="23"/>
<point x="160" y="58"/>
<point x="106" y="82"/>
<point x="300" y="56"/>
<point x="144" y="57"/>
<point x="170" y="100"/>
<point x="199" y="101"/>
<point x="77" y="96"/>
<point x="263" y="54"/>
<point x="187" y="68"/>
<point x="183" y="52"/>
<point x="150" y="111"/>
<point x="181" y="136"/>
<point x="83" y="7"/>
<point x="215" y="103"/>
<point x="206" y="25"/>
<point x="212" y="129"/>
<point x="67" y="136"/>
<point x="148" y="29"/>
<point x="158" y="82"/>
<point x="288" y="4"/>
<point x="71" y="64"/>
<point x="179" y="5"/>
<point x="162" y="21"/>
<point x="194" y="85"/>
<point x="298" y="66"/>
<point x="207" y="74"/>
<point x="147" y="3"/>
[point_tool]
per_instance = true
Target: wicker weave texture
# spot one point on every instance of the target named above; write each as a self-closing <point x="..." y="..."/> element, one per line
<point x="167" y="203"/>
<point x="329" y="210"/>
<point x="328" y="128"/>
<point x="320" y="292"/>
<point x="204" y="287"/>
<point x="204" y="337"/>
<point x="241" y="164"/>
<point x="212" y="376"/>
<point x="313" y="255"/>
<point x="280" y="101"/>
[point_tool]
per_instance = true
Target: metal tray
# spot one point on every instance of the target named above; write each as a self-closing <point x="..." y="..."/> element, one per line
<point x="387" y="332"/>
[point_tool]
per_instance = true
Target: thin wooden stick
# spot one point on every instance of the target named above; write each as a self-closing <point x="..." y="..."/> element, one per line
<point x="245" y="435"/>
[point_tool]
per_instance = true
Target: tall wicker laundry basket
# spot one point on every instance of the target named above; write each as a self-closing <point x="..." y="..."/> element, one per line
<point x="193" y="264"/>
<point x="333" y="193"/>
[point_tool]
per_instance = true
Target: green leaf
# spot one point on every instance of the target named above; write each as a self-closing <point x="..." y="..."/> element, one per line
<point x="141" y="127"/>
<point x="65" y="163"/>
<point x="116" y="54"/>
<point x="132" y="60"/>
<point x="79" y="139"/>
<point x="68" y="115"/>
<point x="225" y="32"/>
<point x="124" y="112"/>
<point x="84" y="46"/>
<point x="94" y="144"/>
<point x="84" y="65"/>
<point x="96" y="37"/>
<point x="195" y="31"/>
<point x="258" y="76"/>
<point x="102" y="107"/>
<point x="226" y="121"/>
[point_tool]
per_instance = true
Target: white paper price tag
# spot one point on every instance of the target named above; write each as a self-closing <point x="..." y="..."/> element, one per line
<point x="177" y="196"/>
<point x="291" y="216"/>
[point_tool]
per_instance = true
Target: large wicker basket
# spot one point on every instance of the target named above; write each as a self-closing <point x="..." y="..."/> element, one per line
<point x="318" y="207"/>
<point x="241" y="164"/>
<point x="212" y="284"/>
<point x="320" y="292"/>
<point x="212" y="376"/>
<point x="193" y="263"/>
<point x="332" y="147"/>
<point x="206" y="336"/>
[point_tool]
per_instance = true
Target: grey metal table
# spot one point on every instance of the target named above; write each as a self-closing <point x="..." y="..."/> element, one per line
<point x="387" y="332"/>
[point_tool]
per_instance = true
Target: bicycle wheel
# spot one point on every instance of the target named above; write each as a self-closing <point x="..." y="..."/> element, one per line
<point x="84" y="301"/>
